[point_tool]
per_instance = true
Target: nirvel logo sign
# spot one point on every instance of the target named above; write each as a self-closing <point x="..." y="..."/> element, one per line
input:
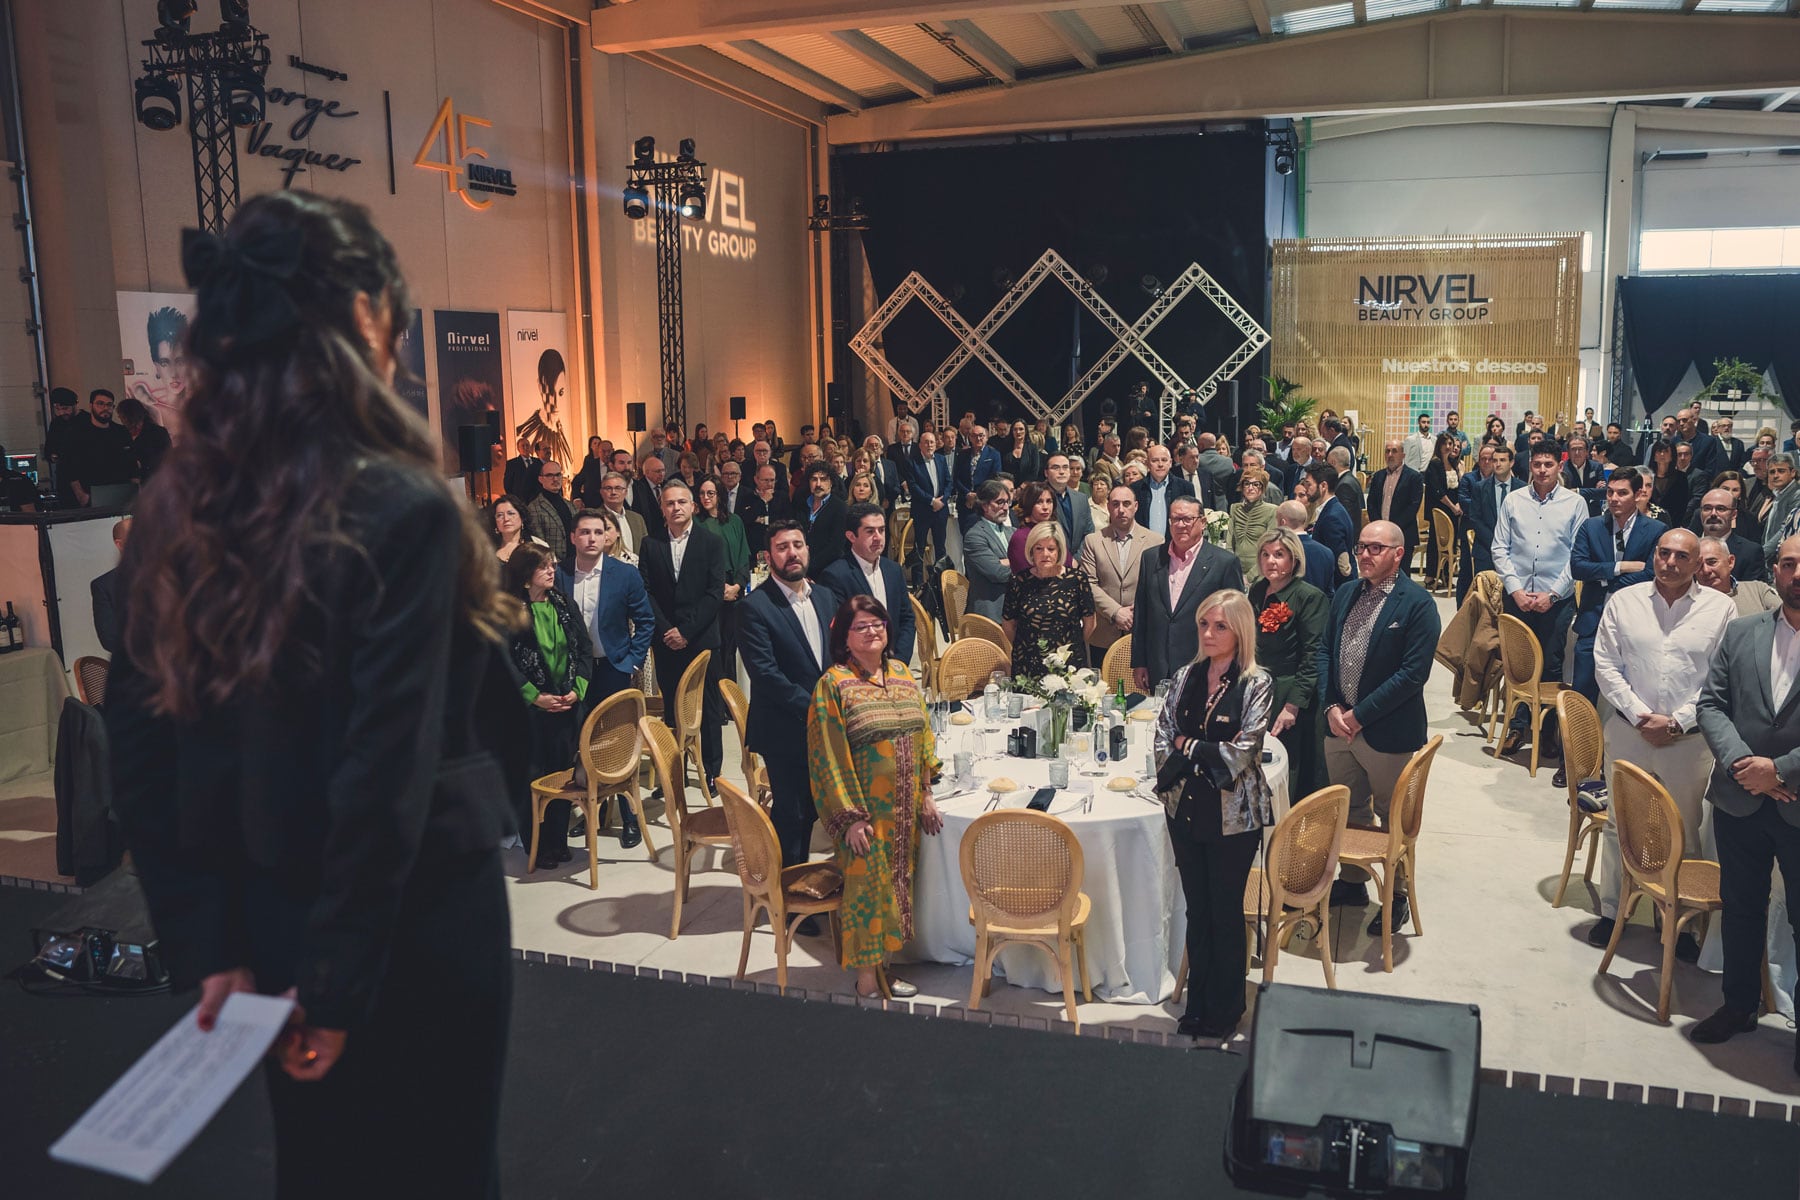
<point x="468" y="341"/>
<point x="461" y="176"/>
<point x="1420" y="298"/>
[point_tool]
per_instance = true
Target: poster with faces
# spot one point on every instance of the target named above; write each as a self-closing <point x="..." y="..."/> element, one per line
<point x="153" y="330"/>
<point x="540" y="398"/>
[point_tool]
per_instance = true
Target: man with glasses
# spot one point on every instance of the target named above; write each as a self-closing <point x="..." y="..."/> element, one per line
<point x="1534" y="545"/>
<point x="984" y="549"/>
<point x="1718" y="519"/>
<point x="1373" y="663"/>
<point x="1173" y="579"/>
<point x="548" y="517"/>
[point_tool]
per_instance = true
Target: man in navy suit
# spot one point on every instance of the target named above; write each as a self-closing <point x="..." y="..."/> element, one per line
<point x="1333" y="528"/>
<point x="1291" y="516"/>
<point x="974" y="467"/>
<point x="1484" y="512"/>
<point x="1468" y="488"/>
<point x="1611" y="552"/>
<point x="1582" y="474"/>
<point x="616" y="609"/>
<point x="1164" y="637"/>
<point x="1161" y="488"/>
<point x="928" y="474"/>
<point x="784" y="634"/>
<point x="1395" y="494"/>
<point x="866" y="570"/>
<point x="1073" y="511"/>
<point x="1373" y="663"/>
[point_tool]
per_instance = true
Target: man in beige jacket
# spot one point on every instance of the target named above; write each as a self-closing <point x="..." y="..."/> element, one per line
<point x="1110" y="557"/>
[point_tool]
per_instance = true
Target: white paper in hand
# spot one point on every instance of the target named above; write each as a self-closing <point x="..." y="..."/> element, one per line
<point x="157" y="1107"/>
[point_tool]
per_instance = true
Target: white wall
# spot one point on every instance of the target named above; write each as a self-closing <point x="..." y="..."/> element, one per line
<point x="1721" y="191"/>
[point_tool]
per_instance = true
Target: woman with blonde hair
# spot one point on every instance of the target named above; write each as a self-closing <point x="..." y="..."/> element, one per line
<point x="1290" y="620"/>
<point x="1251" y="517"/>
<point x="1050" y="604"/>
<point x="1208" y="749"/>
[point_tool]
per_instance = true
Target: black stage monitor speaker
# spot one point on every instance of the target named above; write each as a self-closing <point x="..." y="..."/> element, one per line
<point x="737" y="408"/>
<point x="1356" y="1094"/>
<point x="634" y="418"/>
<point x="472" y="442"/>
<point x="493" y="421"/>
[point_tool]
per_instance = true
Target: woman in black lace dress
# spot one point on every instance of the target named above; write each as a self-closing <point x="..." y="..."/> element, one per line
<point x="1048" y="606"/>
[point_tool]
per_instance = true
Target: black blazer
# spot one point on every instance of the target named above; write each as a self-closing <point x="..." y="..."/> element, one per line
<point x="1409" y="493"/>
<point x="758" y="514"/>
<point x="782" y="666"/>
<point x="1391" y="697"/>
<point x="520" y="479"/>
<point x="313" y="799"/>
<point x="104" y="590"/>
<point x="845" y="578"/>
<point x="1163" y="641"/>
<point x="644" y="502"/>
<point x="824" y="533"/>
<point x="1178" y="488"/>
<point x="691" y="603"/>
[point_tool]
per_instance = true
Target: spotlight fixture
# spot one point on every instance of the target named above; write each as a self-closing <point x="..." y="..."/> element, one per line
<point x="687" y="151"/>
<point x="821" y="205"/>
<point x="235" y="13"/>
<point x="1284" y="162"/>
<point x="173" y="17"/>
<point x="643" y="152"/>
<point x="1151" y="286"/>
<point x="158" y="103"/>
<point x="693" y="201"/>
<point x="637" y="200"/>
<point x="243" y="98"/>
<point x="856" y="208"/>
<point x="1003" y="278"/>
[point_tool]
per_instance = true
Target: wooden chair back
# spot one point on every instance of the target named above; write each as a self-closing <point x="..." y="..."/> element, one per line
<point x="665" y="760"/>
<point x="754" y="847"/>
<point x="612" y="744"/>
<point x="1411" y="784"/>
<point x="1022" y="870"/>
<point x="1582" y="742"/>
<point x="955" y="586"/>
<point x="1116" y="666"/>
<point x="690" y="694"/>
<point x="1651" y="838"/>
<point x="1521" y="658"/>
<point x="1303" y="851"/>
<point x="974" y="625"/>
<point x="967" y="666"/>
<point x="925" y="637"/>
<point x="90" y="679"/>
<point x="902" y="547"/>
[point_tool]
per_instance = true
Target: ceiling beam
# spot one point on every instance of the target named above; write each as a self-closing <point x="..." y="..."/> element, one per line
<point x="713" y="70"/>
<point x="1468" y="58"/>
<point x="794" y="74"/>
<point x="984" y="50"/>
<point x="1693" y="102"/>
<point x="1158" y="16"/>
<point x="1780" y="98"/>
<point x="886" y="61"/>
<point x="654" y="24"/>
<point x="1259" y="12"/>
<point x="1069" y="33"/>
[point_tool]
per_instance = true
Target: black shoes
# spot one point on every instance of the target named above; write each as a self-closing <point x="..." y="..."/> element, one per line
<point x="577" y="824"/>
<point x="1726" y="1024"/>
<point x="809" y="927"/>
<point x="1194" y="1026"/>
<point x="1402" y="910"/>
<point x="1346" y="894"/>
<point x="1561" y="778"/>
<point x="1601" y="933"/>
<point x="1510" y="743"/>
<point x="1687" y="949"/>
<point x="629" y="834"/>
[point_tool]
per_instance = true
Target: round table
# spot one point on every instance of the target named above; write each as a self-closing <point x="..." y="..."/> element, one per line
<point x="1138" y="924"/>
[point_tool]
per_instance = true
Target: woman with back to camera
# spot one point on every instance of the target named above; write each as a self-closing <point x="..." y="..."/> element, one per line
<point x="300" y="716"/>
<point x="1209" y="773"/>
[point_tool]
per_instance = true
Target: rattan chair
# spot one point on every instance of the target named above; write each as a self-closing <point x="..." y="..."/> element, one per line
<point x="1584" y="748"/>
<point x="903" y="542"/>
<point x="772" y="888"/>
<point x="1116" y="666"/>
<point x="955" y="586"/>
<point x="925" y="639"/>
<point x="690" y="711"/>
<point x="1522" y="682"/>
<point x="90" y="679"/>
<point x="1651" y="842"/>
<point x="1444" y="529"/>
<point x="1385" y="853"/>
<point x="1023" y="870"/>
<point x="967" y="666"/>
<point x="689" y="829"/>
<point x="756" y="775"/>
<point x="974" y="625"/>
<point x="611" y="748"/>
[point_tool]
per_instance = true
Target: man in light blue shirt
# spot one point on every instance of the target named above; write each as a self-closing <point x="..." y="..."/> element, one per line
<point x="1534" y="542"/>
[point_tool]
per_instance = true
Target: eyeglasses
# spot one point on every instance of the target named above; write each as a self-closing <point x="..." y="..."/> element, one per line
<point x="866" y="630"/>
<point x="1371" y="547"/>
<point x="1182" y="520"/>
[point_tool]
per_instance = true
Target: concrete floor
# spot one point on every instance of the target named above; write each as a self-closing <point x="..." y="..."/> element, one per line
<point x="1489" y="858"/>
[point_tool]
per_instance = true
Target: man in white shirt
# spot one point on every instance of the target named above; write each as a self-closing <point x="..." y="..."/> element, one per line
<point x="1652" y="653"/>
<point x="1417" y="447"/>
<point x="1110" y="557"/>
<point x="1534" y="542"/>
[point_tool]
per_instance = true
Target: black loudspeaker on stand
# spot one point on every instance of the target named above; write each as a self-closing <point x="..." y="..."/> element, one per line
<point x="472" y="448"/>
<point x="634" y="423"/>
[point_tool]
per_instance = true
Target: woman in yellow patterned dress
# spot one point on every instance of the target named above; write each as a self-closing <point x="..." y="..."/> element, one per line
<point x="873" y="761"/>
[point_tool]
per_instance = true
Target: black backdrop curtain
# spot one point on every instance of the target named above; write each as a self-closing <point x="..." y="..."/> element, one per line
<point x="1674" y="320"/>
<point x="967" y="217"/>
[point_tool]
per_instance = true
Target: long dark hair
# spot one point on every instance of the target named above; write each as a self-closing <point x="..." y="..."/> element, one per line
<point x="284" y="407"/>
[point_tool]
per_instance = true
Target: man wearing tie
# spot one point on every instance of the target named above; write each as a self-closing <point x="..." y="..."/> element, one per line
<point x="1111" y="558"/>
<point x="975" y="465"/>
<point x="929" y="474"/>
<point x="1484" y="513"/>
<point x="520" y="479"/>
<point x="646" y="493"/>
<point x="1467" y="488"/>
<point x="866" y="570"/>
<point x="784" y="634"/>
<point x="1173" y="579"/>
<point x="731" y="480"/>
<point x="1072" y="509"/>
<point x="684" y="572"/>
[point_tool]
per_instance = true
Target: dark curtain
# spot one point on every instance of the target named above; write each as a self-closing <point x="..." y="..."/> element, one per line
<point x="1674" y="320"/>
<point x="1118" y="209"/>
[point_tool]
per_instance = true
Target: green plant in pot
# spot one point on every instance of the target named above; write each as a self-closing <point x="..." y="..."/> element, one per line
<point x="1285" y="405"/>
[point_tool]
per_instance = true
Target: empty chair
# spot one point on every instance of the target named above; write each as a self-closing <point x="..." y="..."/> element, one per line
<point x="902" y="547"/>
<point x="1023" y="870"/>
<point x="789" y="895"/>
<point x="1583" y="746"/>
<point x="1522" y="681"/>
<point x="1115" y="668"/>
<point x="1651" y="845"/>
<point x="1385" y="853"/>
<point x="926" y="638"/>
<point x="1444" y="530"/>
<point x="967" y="666"/>
<point x="690" y="711"/>
<point x="611" y="749"/>
<point x="955" y="586"/>
<point x="90" y="679"/>
<point x="974" y="625"/>
<point x="737" y="706"/>
<point x="689" y="830"/>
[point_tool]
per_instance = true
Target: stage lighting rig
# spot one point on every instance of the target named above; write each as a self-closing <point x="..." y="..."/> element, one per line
<point x="669" y="191"/>
<point x="1287" y="149"/>
<point x="825" y="219"/>
<point x="223" y="72"/>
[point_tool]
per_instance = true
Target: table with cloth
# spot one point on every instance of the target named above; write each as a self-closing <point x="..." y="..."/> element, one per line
<point x="32" y="690"/>
<point x="1138" y="924"/>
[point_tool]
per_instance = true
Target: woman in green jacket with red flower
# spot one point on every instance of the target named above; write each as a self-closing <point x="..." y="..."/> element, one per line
<point x="1290" y="620"/>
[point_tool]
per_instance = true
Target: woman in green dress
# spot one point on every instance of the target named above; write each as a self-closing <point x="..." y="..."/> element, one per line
<point x="1290" y="620"/>
<point x="1251" y="518"/>
<point x="873" y="760"/>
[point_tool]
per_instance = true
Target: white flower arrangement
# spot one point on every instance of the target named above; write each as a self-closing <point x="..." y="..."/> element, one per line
<point x="1218" y="526"/>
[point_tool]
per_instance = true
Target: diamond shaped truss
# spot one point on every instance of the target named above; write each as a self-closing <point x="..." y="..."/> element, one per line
<point x="975" y="342"/>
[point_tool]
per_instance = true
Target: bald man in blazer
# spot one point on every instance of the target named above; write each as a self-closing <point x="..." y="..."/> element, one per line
<point x="1112" y="557"/>
<point x="1164" y="636"/>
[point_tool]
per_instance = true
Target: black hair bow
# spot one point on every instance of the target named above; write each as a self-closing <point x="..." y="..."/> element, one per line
<point x="243" y="301"/>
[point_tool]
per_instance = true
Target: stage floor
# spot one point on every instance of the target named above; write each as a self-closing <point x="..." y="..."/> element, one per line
<point x="637" y="1087"/>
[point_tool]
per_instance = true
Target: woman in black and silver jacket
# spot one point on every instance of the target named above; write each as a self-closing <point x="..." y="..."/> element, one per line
<point x="1209" y="741"/>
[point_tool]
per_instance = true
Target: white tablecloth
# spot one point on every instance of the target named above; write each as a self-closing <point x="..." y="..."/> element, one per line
<point x="32" y="690"/>
<point x="1138" y="925"/>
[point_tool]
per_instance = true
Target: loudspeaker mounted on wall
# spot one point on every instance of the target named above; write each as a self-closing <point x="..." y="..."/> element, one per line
<point x="472" y="443"/>
<point x="634" y="418"/>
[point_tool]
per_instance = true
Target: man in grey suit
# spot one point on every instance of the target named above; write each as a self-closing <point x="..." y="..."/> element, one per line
<point x="1111" y="558"/>
<point x="1072" y="509"/>
<point x="984" y="550"/>
<point x="1749" y="713"/>
<point x="1165" y="638"/>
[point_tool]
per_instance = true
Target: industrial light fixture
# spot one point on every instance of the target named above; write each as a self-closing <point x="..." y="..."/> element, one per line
<point x="1004" y="278"/>
<point x="821" y="205"/>
<point x="234" y="13"/>
<point x="158" y="102"/>
<point x="637" y="200"/>
<point x="679" y="188"/>
<point x="1284" y="162"/>
<point x="173" y="18"/>
<point x="1151" y="286"/>
<point x="687" y="151"/>
<point x="643" y="152"/>
<point x="693" y="200"/>
<point x="243" y="98"/>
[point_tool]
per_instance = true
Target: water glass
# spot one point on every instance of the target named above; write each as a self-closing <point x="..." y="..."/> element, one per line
<point x="1015" y="705"/>
<point x="1059" y="772"/>
<point x="964" y="762"/>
